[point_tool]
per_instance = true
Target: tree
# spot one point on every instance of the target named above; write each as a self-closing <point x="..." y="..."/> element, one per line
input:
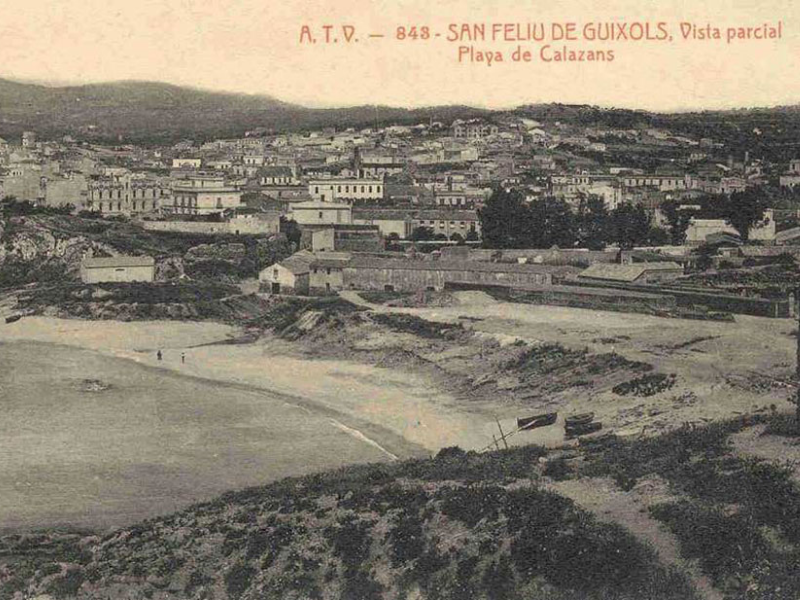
<point x="658" y="236"/>
<point x="504" y="220"/>
<point x="422" y="234"/>
<point x="678" y="221"/>
<point x="630" y="225"/>
<point x="291" y="230"/>
<point x="745" y="210"/>
<point x="593" y="224"/>
<point x="392" y="242"/>
<point x="551" y="223"/>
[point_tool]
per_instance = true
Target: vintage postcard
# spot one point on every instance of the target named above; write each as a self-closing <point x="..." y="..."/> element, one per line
<point x="399" y="300"/>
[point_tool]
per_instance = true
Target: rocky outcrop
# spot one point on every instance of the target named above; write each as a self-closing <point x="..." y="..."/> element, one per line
<point x="227" y="252"/>
<point x="24" y="240"/>
<point x="170" y="268"/>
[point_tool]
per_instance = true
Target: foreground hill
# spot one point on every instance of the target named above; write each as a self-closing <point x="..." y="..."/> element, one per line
<point x="704" y="513"/>
<point x="457" y="526"/>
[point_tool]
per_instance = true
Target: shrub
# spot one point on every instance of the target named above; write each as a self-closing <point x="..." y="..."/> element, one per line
<point x="472" y="504"/>
<point x="406" y="539"/>
<point x="68" y="584"/>
<point x="238" y="579"/>
<point x="351" y="542"/>
<point x="725" y="545"/>
<point x="558" y="469"/>
<point x="783" y="425"/>
<point x="646" y="385"/>
<point x="360" y="584"/>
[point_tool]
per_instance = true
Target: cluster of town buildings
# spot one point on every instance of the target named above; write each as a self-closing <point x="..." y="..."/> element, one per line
<point x="432" y="176"/>
<point x="356" y="191"/>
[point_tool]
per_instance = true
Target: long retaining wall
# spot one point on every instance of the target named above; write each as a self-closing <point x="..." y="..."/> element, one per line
<point x="549" y="257"/>
<point x="576" y="297"/>
<point x="758" y="307"/>
<point x="235" y="227"/>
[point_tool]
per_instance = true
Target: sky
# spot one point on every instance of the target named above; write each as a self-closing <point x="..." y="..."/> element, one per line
<point x="254" y="47"/>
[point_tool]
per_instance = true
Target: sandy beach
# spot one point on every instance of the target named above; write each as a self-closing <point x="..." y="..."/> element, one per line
<point x="208" y="417"/>
<point x="402" y="403"/>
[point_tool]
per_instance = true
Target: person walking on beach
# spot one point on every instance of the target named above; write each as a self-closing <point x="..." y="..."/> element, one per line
<point x="158" y="355"/>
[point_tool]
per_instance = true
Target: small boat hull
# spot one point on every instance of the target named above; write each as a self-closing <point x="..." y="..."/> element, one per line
<point x="581" y="419"/>
<point x="537" y="421"/>
<point x="584" y="429"/>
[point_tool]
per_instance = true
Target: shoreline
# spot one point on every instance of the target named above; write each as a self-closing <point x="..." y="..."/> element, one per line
<point x="400" y="447"/>
<point x="122" y="475"/>
<point x="397" y="410"/>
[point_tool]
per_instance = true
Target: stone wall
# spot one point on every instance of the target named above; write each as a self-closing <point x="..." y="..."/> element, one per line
<point x="234" y="227"/>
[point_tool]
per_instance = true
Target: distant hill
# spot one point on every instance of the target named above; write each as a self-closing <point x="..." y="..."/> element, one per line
<point x="140" y="111"/>
<point x="148" y="112"/>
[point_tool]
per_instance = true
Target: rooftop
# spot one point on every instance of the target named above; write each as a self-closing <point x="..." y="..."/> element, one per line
<point x="364" y="262"/>
<point x="111" y="262"/>
<point x="319" y="205"/>
<point x="615" y="272"/>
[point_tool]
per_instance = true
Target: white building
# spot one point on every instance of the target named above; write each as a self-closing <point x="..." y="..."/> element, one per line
<point x="203" y="194"/>
<point x="118" y="269"/>
<point x="187" y="163"/>
<point x="317" y="212"/>
<point x="699" y="229"/>
<point x="346" y="190"/>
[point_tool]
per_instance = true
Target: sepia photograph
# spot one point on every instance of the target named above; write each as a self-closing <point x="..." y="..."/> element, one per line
<point x="399" y="300"/>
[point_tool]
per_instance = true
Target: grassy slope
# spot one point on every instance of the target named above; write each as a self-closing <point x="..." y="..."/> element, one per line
<point x="461" y="525"/>
<point x="457" y="526"/>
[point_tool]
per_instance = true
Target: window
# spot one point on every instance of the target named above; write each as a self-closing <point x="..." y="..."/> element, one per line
<point x="320" y="214"/>
<point x="329" y="270"/>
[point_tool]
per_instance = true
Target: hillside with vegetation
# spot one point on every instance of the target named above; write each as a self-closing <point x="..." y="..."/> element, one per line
<point x="465" y="525"/>
<point x="152" y="112"/>
<point x="45" y="246"/>
<point x="456" y="526"/>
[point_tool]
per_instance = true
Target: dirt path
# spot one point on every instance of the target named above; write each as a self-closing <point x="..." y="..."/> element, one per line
<point x="630" y="510"/>
<point x="775" y="448"/>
